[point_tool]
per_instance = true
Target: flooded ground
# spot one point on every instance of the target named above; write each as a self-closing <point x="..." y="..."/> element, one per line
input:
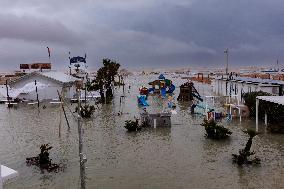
<point x="176" y="157"/>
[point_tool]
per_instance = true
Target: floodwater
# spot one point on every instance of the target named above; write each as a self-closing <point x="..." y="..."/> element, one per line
<point x="176" y="157"/>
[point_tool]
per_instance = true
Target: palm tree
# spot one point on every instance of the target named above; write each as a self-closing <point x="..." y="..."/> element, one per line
<point x="105" y="77"/>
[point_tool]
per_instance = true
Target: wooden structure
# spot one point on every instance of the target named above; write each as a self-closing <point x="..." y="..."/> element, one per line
<point x="157" y="85"/>
<point x="200" y="78"/>
<point x="185" y="93"/>
<point x="41" y="66"/>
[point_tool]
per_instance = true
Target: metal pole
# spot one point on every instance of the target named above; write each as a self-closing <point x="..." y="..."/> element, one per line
<point x="256" y="114"/>
<point x="85" y="94"/>
<point x="81" y="155"/>
<point x="227" y="60"/>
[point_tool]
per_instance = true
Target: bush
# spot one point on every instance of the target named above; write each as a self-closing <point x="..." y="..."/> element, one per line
<point x="215" y="131"/>
<point x="250" y="101"/>
<point x="86" y="111"/>
<point x="132" y="125"/>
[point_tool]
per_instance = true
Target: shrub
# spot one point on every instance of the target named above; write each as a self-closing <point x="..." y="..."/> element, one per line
<point x="215" y="131"/>
<point x="132" y="125"/>
<point x="86" y="111"/>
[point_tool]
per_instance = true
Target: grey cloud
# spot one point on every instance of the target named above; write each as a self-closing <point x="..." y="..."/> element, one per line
<point x="141" y="33"/>
<point x="39" y="30"/>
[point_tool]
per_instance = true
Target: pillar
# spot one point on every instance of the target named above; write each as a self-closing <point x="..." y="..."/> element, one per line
<point x="1" y="182"/>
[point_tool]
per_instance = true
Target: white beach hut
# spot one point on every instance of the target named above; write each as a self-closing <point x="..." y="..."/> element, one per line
<point x="47" y="84"/>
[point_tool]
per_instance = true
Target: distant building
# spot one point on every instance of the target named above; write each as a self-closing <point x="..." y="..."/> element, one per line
<point x="125" y="72"/>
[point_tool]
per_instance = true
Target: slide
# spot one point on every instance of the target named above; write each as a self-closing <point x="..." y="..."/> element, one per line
<point x="142" y="101"/>
<point x="151" y="90"/>
<point x="203" y="106"/>
<point x="163" y="92"/>
<point x="171" y="88"/>
<point x="197" y="96"/>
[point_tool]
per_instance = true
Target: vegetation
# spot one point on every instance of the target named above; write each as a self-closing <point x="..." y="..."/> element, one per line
<point x="105" y="77"/>
<point x="250" y="101"/>
<point x="132" y="125"/>
<point x="274" y="111"/>
<point x="244" y="154"/>
<point x="44" y="154"/>
<point x="42" y="160"/>
<point x="215" y="131"/>
<point x="86" y="111"/>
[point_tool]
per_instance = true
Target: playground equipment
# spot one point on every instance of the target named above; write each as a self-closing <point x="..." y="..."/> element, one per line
<point x="162" y="86"/>
<point x="143" y="91"/>
<point x="142" y="100"/>
<point x="188" y="92"/>
<point x="232" y="109"/>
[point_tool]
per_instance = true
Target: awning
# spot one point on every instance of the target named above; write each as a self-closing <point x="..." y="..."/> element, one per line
<point x="274" y="99"/>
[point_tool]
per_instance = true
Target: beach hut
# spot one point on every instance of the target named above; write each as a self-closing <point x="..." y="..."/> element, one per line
<point x="45" y="83"/>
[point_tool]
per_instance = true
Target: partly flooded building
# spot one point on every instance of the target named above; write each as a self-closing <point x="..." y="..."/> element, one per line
<point x="239" y="85"/>
<point x="42" y="84"/>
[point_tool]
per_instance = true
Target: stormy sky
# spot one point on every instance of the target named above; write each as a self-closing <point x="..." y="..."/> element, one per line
<point x="142" y="33"/>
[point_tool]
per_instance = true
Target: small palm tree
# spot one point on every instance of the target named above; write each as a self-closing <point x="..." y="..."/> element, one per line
<point x="244" y="154"/>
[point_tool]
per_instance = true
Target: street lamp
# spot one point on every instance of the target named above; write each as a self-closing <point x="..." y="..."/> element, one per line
<point x="226" y="51"/>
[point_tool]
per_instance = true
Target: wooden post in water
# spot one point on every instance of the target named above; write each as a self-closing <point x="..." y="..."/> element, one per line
<point x="62" y="106"/>
<point x="37" y="95"/>
<point x="81" y="155"/>
<point x="8" y="98"/>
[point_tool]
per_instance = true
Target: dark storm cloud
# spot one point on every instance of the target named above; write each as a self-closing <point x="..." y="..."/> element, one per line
<point x="141" y="33"/>
<point x="36" y="30"/>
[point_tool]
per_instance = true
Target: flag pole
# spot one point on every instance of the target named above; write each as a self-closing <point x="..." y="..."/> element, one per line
<point x="48" y="50"/>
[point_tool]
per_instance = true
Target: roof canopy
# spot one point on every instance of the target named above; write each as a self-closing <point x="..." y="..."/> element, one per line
<point x="274" y="99"/>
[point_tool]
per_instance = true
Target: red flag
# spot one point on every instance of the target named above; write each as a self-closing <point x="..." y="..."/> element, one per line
<point x="48" y="50"/>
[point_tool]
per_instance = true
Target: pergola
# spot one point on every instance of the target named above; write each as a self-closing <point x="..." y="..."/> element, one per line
<point x="274" y="99"/>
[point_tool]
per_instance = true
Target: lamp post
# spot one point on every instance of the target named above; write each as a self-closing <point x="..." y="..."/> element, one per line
<point x="226" y="51"/>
